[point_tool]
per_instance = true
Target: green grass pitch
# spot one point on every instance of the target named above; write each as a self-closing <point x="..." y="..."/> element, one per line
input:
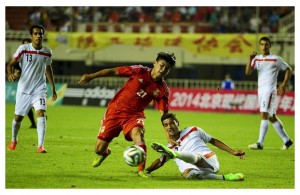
<point x="71" y="136"/>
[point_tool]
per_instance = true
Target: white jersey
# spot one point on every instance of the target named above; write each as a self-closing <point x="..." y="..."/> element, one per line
<point x="33" y="64"/>
<point x="267" y="68"/>
<point x="192" y="139"/>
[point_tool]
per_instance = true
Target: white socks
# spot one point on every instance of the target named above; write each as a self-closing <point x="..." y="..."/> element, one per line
<point x="278" y="126"/>
<point x="15" y="130"/>
<point x="264" y="125"/>
<point x="198" y="174"/>
<point x="41" y="130"/>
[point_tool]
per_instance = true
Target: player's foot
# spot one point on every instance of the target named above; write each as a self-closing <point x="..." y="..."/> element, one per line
<point x="33" y="126"/>
<point x="12" y="145"/>
<point x="256" y="146"/>
<point x="165" y="150"/>
<point x="99" y="159"/>
<point x="41" y="149"/>
<point x="287" y="145"/>
<point x="144" y="174"/>
<point x="234" y="177"/>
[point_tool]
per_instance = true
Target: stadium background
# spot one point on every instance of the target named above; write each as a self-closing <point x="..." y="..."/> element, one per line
<point x="70" y="139"/>
<point x="208" y="42"/>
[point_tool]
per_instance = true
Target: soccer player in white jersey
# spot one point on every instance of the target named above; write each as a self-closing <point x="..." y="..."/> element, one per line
<point x="193" y="157"/>
<point x="268" y="65"/>
<point x="35" y="62"/>
<point x="17" y="73"/>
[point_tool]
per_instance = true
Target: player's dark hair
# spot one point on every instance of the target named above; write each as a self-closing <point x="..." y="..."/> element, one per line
<point x="265" y="39"/>
<point x="169" y="115"/>
<point x="169" y="57"/>
<point x="37" y="26"/>
<point x="26" y="40"/>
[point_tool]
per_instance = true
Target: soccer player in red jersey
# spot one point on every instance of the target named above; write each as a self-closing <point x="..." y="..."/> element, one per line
<point x="125" y="111"/>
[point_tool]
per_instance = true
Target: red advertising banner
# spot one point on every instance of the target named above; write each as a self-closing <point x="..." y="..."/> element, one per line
<point x="241" y="101"/>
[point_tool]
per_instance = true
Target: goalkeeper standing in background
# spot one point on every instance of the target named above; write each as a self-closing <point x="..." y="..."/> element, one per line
<point x="125" y="111"/>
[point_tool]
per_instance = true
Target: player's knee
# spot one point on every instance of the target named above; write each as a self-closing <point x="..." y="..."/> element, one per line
<point x="264" y="115"/>
<point x="272" y="119"/>
<point x="137" y="134"/>
<point x="40" y="113"/>
<point x="18" y="118"/>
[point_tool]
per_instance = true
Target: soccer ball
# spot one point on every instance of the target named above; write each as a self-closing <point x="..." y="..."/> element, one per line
<point x="134" y="155"/>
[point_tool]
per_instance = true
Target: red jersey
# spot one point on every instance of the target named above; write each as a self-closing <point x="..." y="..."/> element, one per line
<point x="138" y="92"/>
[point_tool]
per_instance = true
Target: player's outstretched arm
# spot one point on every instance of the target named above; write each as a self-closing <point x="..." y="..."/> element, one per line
<point x="102" y="73"/>
<point x="222" y="146"/>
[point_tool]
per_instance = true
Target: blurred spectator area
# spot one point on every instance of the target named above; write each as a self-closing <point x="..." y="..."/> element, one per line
<point x="145" y="27"/>
<point x="185" y="19"/>
<point x="16" y="18"/>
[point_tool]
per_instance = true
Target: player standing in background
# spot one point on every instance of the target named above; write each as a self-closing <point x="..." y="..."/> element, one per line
<point x="193" y="157"/>
<point x="35" y="61"/>
<point x="17" y="74"/>
<point x="268" y="65"/>
<point x="125" y="111"/>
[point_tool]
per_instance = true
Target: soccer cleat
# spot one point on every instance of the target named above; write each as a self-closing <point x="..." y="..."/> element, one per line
<point x="256" y="146"/>
<point x="165" y="150"/>
<point x="12" y="145"/>
<point x="41" y="149"/>
<point x="99" y="159"/>
<point x="144" y="174"/>
<point x="234" y="177"/>
<point x="287" y="145"/>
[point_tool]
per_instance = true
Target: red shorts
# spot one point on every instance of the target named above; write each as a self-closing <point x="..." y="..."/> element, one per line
<point x="112" y="125"/>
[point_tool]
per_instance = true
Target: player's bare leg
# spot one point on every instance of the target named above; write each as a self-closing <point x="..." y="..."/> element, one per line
<point x="102" y="151"/>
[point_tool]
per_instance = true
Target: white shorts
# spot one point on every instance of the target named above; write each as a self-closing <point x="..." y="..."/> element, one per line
<point x="25" y="102"/>
<point x="267" y="102"/>
<point x="211" y="158"/>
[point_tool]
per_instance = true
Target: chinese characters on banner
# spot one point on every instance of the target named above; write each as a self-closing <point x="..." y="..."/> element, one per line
<point x="209" y="44"/>
<point x="240" y="101"/>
